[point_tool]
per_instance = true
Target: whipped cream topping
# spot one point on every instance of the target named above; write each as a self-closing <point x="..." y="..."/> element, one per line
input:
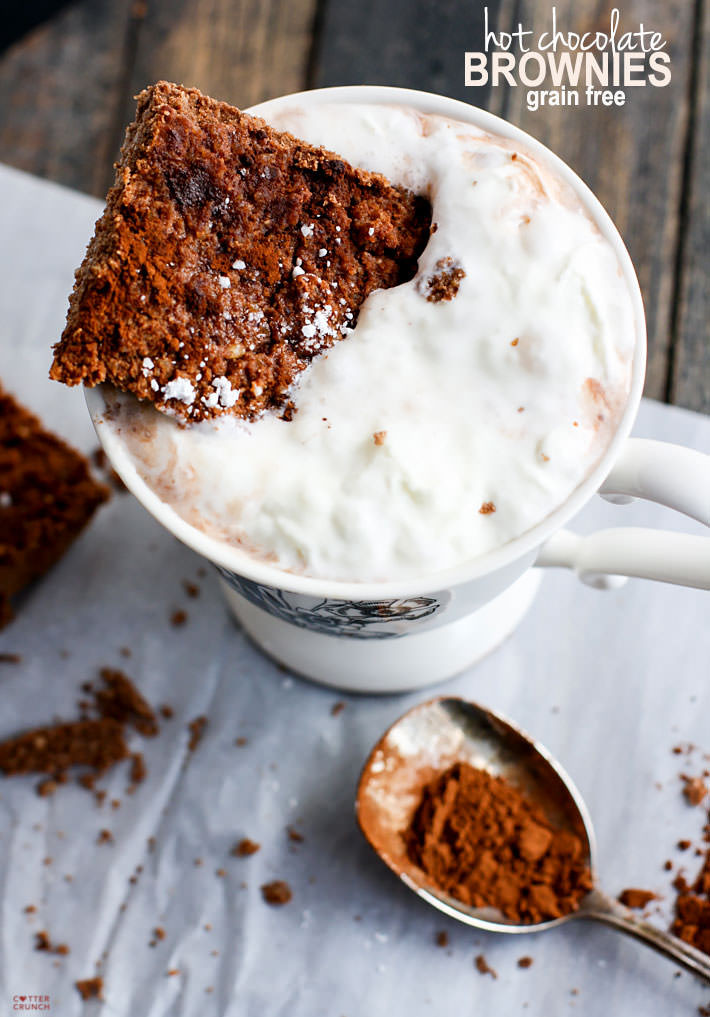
<point x="435" y="431"/>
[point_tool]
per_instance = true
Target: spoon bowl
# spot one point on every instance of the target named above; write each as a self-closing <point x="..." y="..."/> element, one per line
<point x="436" y="734"/>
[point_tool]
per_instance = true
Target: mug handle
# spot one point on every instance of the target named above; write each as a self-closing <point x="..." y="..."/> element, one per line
<point x="670" y="475"/>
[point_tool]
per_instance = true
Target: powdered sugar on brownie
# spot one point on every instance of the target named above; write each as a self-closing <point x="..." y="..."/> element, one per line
<point x="464" y="406"/>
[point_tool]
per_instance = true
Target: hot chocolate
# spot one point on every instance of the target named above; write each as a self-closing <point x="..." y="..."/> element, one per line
<point x="465" y="405"/>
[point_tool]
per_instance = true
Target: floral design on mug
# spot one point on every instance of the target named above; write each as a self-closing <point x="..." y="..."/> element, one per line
<point x="369" y="619"/>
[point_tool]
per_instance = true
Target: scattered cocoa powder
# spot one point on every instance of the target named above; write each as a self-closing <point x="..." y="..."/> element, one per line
<point x="635" y="898"/>
<point x="487" y="508"/>
<point x="45" y="945"/>
<point x="481" y="841"/>
<point x="277" y="892"/>
<point x="245" y="847"/>
<point x="121" y="700"/>
<point x="90" y="988"/>
<point x="692" y="908"/>
<point x="139" y="771"/>
<point x="196" y="728"/>
<point x="483" y="967"/>
<point x="694" y="789"/>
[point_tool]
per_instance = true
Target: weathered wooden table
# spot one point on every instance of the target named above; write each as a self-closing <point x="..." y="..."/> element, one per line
<point x="66" y="90"/>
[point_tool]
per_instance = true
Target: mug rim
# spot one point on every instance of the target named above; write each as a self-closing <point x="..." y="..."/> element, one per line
<point x="236" y="560"/>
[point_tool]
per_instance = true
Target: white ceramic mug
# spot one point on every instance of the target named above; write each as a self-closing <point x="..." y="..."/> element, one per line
<point x="392" y="636"/>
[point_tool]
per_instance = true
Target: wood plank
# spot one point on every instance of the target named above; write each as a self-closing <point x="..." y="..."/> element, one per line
<point x="243" y="51"/>
<point x="59" y="94"/>
<point x="67" y="89"/>
<point x="690" y="379"/>
<point x="405" y="43"/>
<point x="631" y="157"/>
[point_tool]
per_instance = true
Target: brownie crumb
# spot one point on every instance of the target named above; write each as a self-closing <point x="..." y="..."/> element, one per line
<point x="442" y="938"/>
<point x="294" y="835"/>
<point x="139" y="770"/>
<point x="167" y="711"/>
<point x="172" y="972"/>
<point x="159" y="932"/>
<point x="196" y="728"/>
<point x="525" y="962"/>
<point x="245" y="847"/>
<point x="45" y="945"/>
<point x="683" y="845"/>
<point x="277" y="892"/>
<point x="337" y="708"/>
<point x="90" y="988"/>
<point x="694" y="790"/>
<point x="444" y="283"/>
<point x="191" y="589"/>
<point x="31" y="909"/>
<point x="47" y="787"/>
<point x="104" y="837"/>
<point x="241" y="742"/>
<point x="10" y="658"/>
<point x="483" y="967"/>
<point x="635" y="898"/>
<point x="178" y="619"/>
<point x="487" y="508"/>
<point x="97" y="744"/>
<point x="121" y="700"/>
<point x="379" y="437"/>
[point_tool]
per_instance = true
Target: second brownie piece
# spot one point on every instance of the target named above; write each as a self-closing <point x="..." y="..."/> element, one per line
<point x="229" y="255"/>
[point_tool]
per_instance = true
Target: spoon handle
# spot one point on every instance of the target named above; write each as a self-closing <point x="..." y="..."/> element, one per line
<point x="603" y="909"/>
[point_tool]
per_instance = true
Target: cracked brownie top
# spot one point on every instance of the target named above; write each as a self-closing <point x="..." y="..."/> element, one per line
<point x="228" y="256"/>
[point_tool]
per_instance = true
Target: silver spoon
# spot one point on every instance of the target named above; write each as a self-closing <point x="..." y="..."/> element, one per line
<point x="436" y="734"/>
